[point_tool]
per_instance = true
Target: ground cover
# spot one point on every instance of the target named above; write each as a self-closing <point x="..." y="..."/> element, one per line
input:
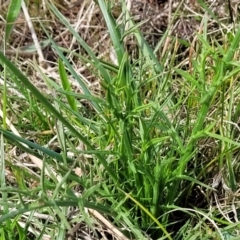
<point x="119" y="120"/>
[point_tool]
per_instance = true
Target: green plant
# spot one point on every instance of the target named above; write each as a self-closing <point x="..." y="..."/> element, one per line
<point x="141" y="137"/>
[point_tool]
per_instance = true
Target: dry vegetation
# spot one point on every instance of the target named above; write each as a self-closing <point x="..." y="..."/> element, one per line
<point x="181" y="18"/>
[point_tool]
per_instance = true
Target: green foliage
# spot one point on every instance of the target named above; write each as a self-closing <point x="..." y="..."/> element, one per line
<point x="143" y="137"/>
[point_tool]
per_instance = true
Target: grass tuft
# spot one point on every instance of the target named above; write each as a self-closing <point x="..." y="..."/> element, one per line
<point x="141" y="146"/>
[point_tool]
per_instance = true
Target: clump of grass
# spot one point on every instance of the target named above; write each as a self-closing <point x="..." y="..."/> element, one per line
<point x="149" y="149"/>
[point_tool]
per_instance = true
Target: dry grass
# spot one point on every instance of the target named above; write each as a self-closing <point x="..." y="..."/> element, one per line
<point x="87" y="20"/>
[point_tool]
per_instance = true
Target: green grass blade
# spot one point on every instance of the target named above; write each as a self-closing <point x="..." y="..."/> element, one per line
<point x="66" y="85"/>
<point x="13" y="12"/>
<point x="233" y="47"/>
<point x="113" y="30"/>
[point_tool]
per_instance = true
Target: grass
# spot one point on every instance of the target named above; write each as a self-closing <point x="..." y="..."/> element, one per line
<point x="151" y="153"/>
